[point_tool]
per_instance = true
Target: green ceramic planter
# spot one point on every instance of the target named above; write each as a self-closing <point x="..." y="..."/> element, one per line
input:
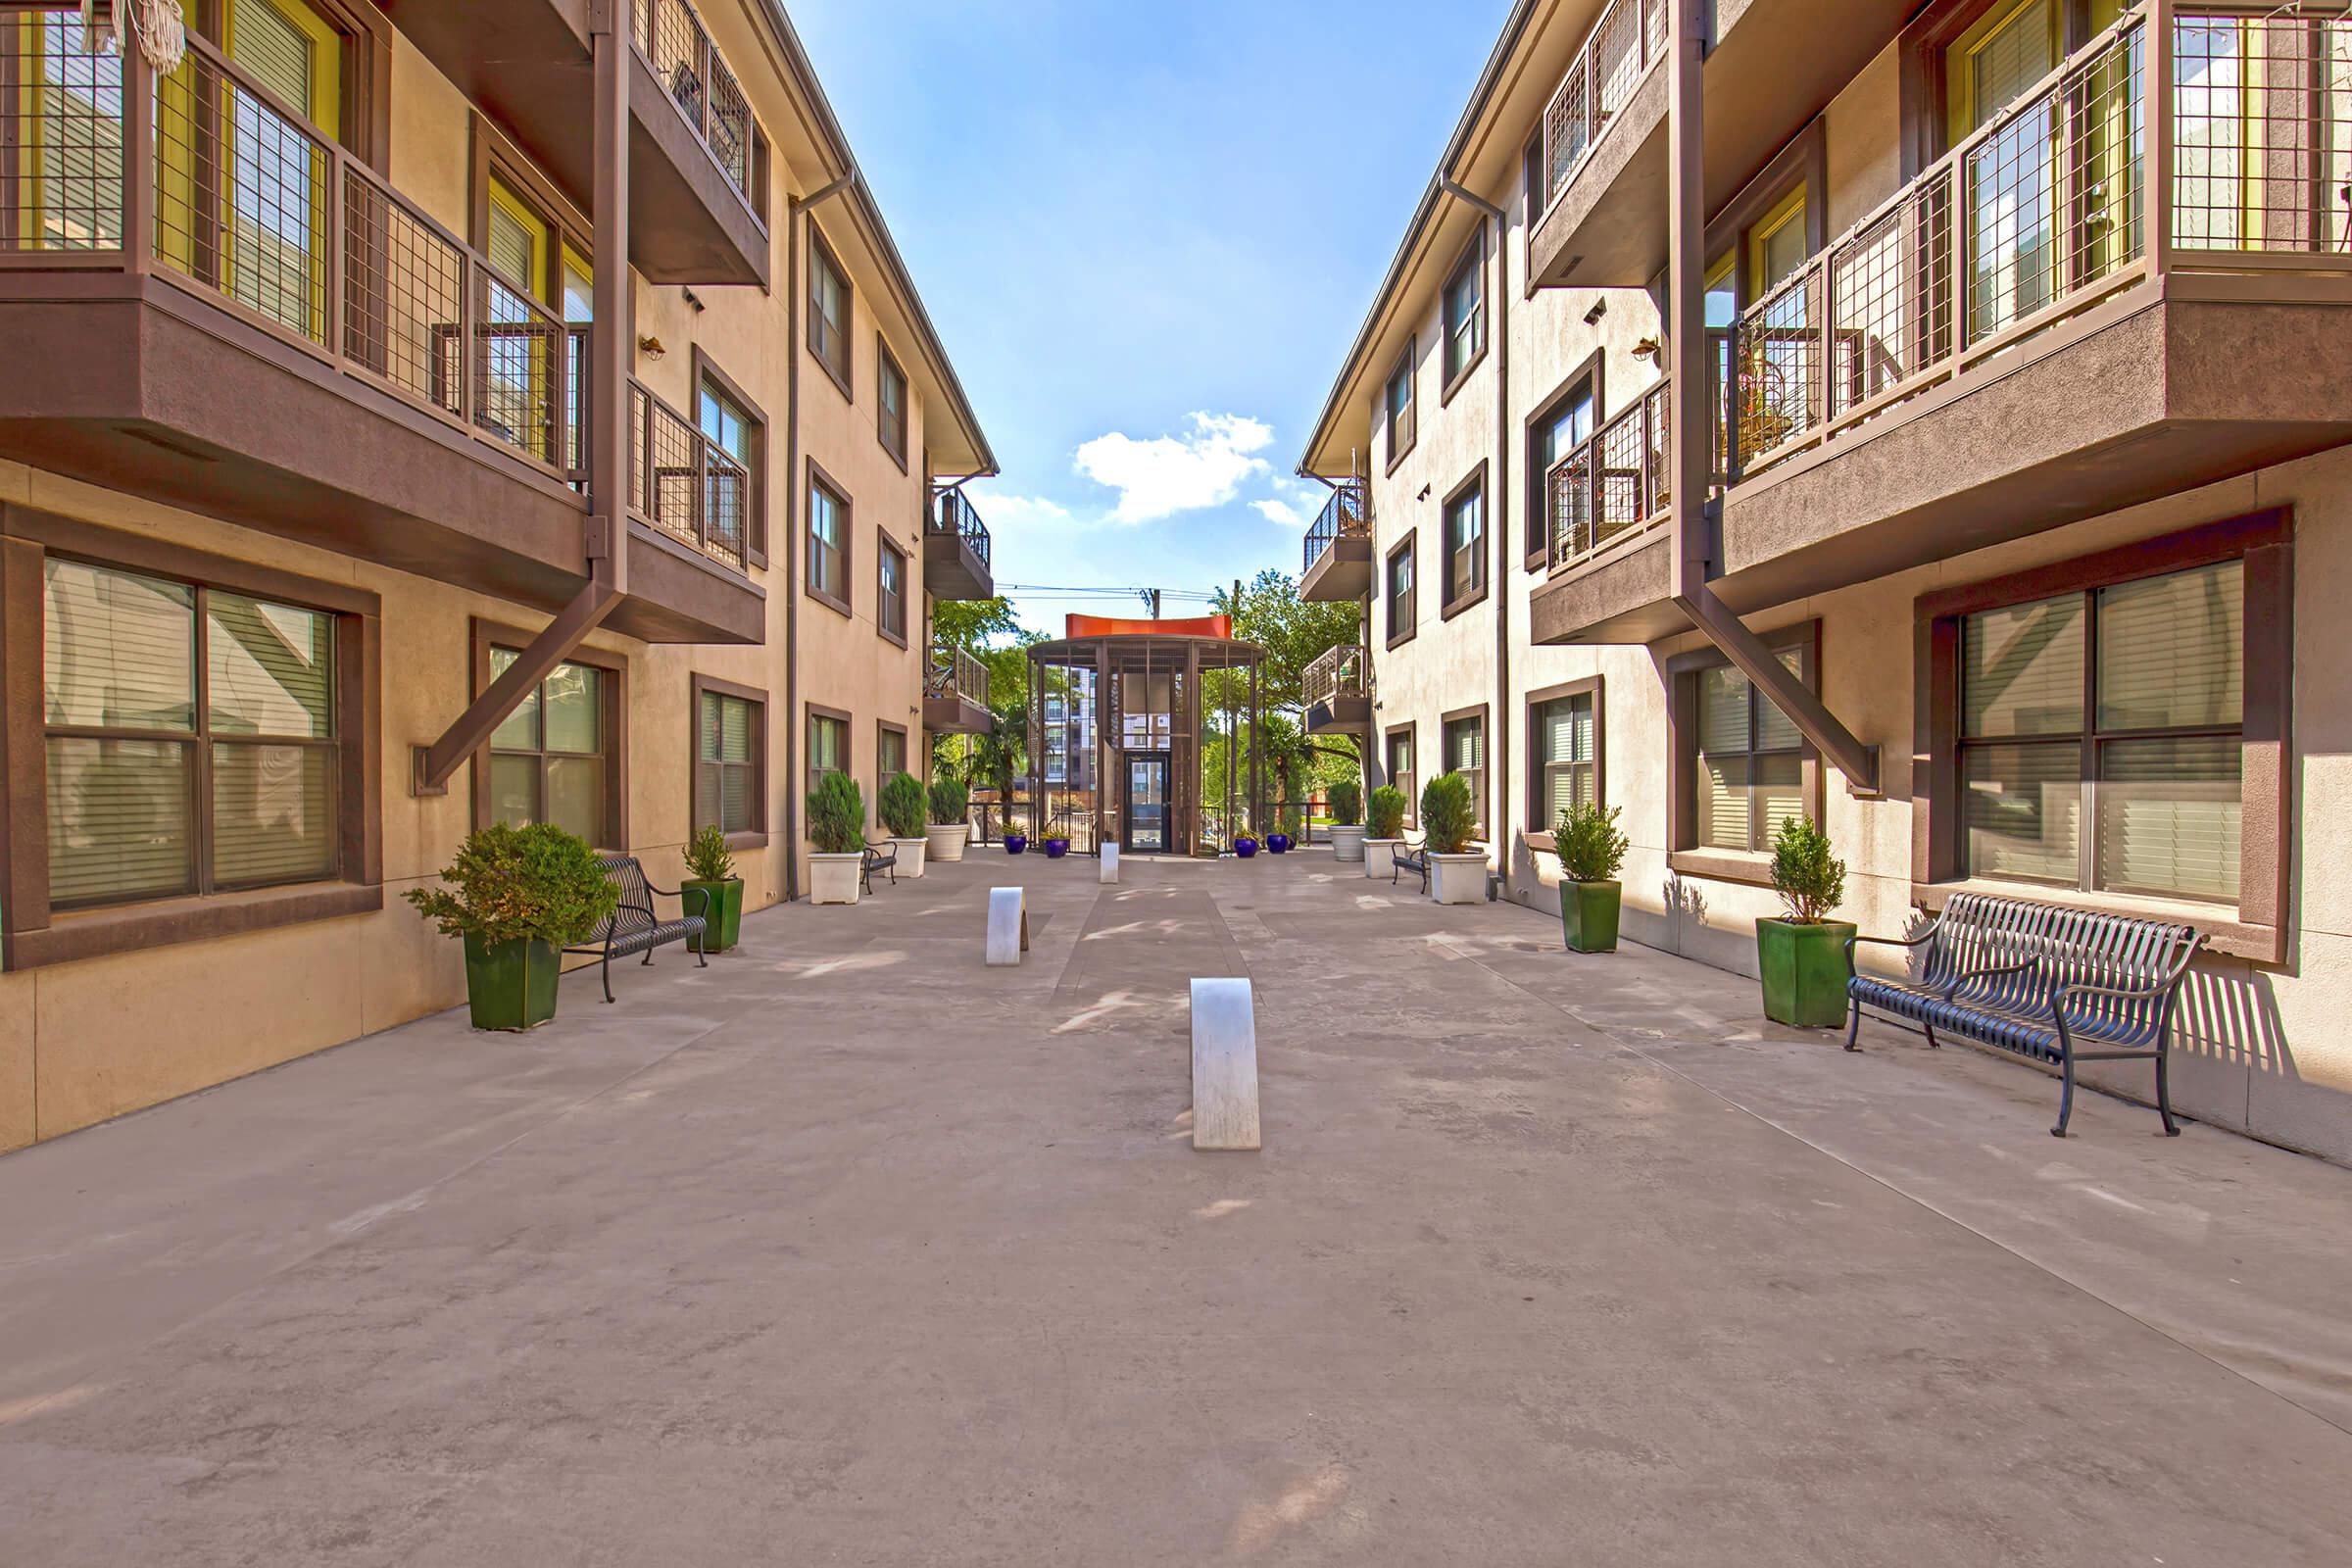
<point x="1804" y="972"/>
<point x="1589" y="915"/>
<point x="723" y="916"/>
<point x="511" y="985"/>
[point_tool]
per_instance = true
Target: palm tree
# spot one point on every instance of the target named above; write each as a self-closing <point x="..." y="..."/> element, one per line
<point x="997" y="753"/>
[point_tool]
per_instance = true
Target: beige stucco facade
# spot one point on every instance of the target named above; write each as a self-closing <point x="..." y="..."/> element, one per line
<point x="86" y="1039"/>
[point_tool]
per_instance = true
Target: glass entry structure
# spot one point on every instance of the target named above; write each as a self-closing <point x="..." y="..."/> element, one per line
<point x="1133" y="731"/>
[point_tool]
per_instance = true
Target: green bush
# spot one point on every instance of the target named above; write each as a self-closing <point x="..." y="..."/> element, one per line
<point x="902" y="806"/>
<point x="1810" y="881"/>
<point x="837" y="816"/>
<point x="707" y="855"/>
<point x="512" y="884"/>
<point x="1388" y="812"/>
<point x="1346" y="801"/>
<point x="1588" y="843"/>
<point x="1445" y="813"/>
<point x="951" y="801"/>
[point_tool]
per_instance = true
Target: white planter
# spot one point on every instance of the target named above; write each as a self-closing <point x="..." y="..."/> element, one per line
<point x="1348" y="844"/>
<point x="1458" y="878"/>
<point x="1380" y="858"/>
<point x="946" y="841"/>
<point x="833" y="878"/>
<point x="910" y="855"/>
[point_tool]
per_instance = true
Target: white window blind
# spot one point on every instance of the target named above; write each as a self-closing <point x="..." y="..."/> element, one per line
<point x="726" y="769"/>
<point x="1564" y="738"/>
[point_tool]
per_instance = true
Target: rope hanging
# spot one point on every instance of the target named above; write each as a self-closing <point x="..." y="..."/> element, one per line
<point x="156" y="25"/>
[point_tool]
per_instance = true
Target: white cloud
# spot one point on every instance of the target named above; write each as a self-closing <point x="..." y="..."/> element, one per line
<point x="1001" y="511"/>
<point x="1205" y="466"/>
<point x="1293" y="505"/>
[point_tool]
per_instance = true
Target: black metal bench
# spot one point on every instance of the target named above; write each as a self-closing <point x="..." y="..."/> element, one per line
<point x="2058" y="985"/>
<point x="879" y="861"/>
<point x="1410" y="857"/>
<point x="634" y="927"/>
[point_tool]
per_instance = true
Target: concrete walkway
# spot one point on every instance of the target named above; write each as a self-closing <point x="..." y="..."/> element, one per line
<point x="851" y="1251"/>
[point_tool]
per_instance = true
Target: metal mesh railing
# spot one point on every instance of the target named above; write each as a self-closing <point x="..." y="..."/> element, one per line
<point x="2262" y="148"/>
<point x="521" y="365"/>
<point x="952" y="513"/>
<point x="60" y="136"/>
<point x="1776" y="352"/>
<point x="1891" y="299"/>
<point x="403" y="296"/>
<point x="955" y="673"/>
<point x="1341" y="671"/>
<point x="1615" y="484"/>
<point x="683" y="485"/>
<point x="678" y="48"/>
<point x="1609" y="65"/>
<point x="1346" y="515"/>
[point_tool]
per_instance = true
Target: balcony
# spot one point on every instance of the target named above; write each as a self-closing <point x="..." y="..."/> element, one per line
<point x="697" y="207"/>
<point x="252" y="324"/>
<point x="1606" y="504"/>
<point x="1338" y="548"/>
<point x="955" y="562"/>
<point x="955" y="694"/>
<point x="1337" y="689"/>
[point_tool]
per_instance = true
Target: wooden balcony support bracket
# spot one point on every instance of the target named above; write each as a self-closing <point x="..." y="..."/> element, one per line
<point x="1695" y="521"/>
<point x="431" y="766"/>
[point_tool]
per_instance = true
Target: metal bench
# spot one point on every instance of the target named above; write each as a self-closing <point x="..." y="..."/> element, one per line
<point x="1411" y="856"/>
<point x="879" y="861"/>
<point x="2058" y="985"/>
<point x="634" y="927"/>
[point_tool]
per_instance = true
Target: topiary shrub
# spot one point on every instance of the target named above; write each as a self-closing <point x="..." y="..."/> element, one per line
<point x="1810" y="881"/>
<point x="1347" y="802"/>
<point x="902" y="806"/>
<point x="951" y="801"/>
<point x="1445" y="813"/>
<point x="1388" y="812"/>
<point x="512" y="884"/>
<point x="1588" y="843"/>
<point x="708" y="858"/>
<point x="837" y="816"/>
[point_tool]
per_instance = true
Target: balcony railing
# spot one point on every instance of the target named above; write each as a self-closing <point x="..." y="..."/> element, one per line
<point x="1341" y="671"/>
<point x="952" y="517"/>
<point x="1616" y="485"/>
<point x="1628" y="39"/>
<point x="954" y="673"/>
<point x="683" y="484"/>
<point x="1347" y="514"/>
<point x="677" y="47"/>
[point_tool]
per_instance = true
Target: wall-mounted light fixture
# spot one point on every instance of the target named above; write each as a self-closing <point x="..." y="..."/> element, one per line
<point x="1600" y="307"/>
<point x="1647" y="349"/>
<point x="694" y="300"/>
<point x="651" y="347"/>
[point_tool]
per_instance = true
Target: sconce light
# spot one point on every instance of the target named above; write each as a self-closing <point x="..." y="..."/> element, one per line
<point x="1647" y="349"/>
<point x="1600" y="307"/>
<point x="694" y="300"/>
<point x="651" y="347"/>
<point x="1424" y="495"/>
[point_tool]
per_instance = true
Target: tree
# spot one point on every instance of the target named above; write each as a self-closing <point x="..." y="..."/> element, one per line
<point x="991" y="632"/>
<point x="1294" y="634"/>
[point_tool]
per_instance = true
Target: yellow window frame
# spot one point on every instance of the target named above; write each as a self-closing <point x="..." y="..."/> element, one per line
<point x="1791" y="209"/>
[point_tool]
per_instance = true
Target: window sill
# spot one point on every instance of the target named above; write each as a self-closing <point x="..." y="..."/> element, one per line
<point x="889" y="636"/>
<point x="838" y="377"/>
<point x="1468" y="601"/>
<point x="825" y="599"/>
<point x="1404" y="637"/>
<point x="124" y="928"/>
<point x="749" y="839"/>
<point x="1750" y="866"/>
<point x="2216" y="923"/>
<point x="1398" y="455"/>
<point x="1462" y="376"/>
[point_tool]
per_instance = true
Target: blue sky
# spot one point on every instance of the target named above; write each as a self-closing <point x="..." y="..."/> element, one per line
<point x="1146" y="234"/>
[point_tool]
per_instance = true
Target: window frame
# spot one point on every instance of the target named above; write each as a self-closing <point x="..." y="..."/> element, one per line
<point x="1407" y="370"/>
<point x="811" y="773"/>
<point x="701" y="685"/>
<point x="365" y="71"/>
<point x="886" y="370"/>
<point x="1482" y="798"/>
<point x="2264" y="541"/>
<point x="888" y="550"/>
<point x="1482" y="569"/>
<point x="704" y="369"/>
<point x="31" y="934"/>
<point x="1410" y="729"/>
<point x="484" y="636"/>
<point x="1594" y="688"/>
<point x="820" y="479"/>
<point x="1684" y="853"/>
<point x="844" y="373"/>
<point x="495" y="158"/>
<point x="1586" y="378"/>
<point x="1799" y="169"/>
<point x="1413" y="595"/>
<point x="1472" y="264"/>
<point x="882" y="727"/>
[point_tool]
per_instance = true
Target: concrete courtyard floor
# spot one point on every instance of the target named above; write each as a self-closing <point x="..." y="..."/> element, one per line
<point x="849" y="1250"/>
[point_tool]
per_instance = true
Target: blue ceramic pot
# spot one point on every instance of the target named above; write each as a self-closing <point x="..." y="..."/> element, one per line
<point x="1244" y="847"/>
<point x="1279" y="843"/>
<point x="1055" y="849"/>
<point x="1015" y="843"/>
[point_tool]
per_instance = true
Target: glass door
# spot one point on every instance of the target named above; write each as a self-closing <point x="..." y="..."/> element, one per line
<point x="1148" y="804"/>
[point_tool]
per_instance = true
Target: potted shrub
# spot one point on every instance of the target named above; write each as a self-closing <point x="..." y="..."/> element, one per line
<point x="1347" y="800"/>
<point x="1057" y="848"/>
<point x="519" y="896"/>
<point x="1383" y="831"/>
<point x="1591" y="851"/>
<point x="904" y="808"/>
<point x="1015" y="843"/>
<point x="1285" y="831"/>
<point x="1802" y="959"/>
<point x="712" y="868"/>
<point x="837" y="828"/>
<point x="1457" y="874"/>
<point x="950" y="820"/>
<point x="1245" y="847"/>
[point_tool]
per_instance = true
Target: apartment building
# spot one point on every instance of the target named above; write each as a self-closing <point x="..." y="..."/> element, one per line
<point x="415" y="415"/>
<point x="1965" y="468"/>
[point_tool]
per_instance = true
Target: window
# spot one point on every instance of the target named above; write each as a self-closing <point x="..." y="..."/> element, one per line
<point x="1564" y="424"/>
<point x="828" y="542"/>
<point x="730" y="760"/>
<point x="1399" y="755"/>
<point x="554" y="759"/>
<point x="2101" y="737"/>
<point x="1565" y="729"/>
<point x="1465" y="313"/>
<point x="890" y="761"/>
<point x="1464" y="738"/>
<point x="891" y="612"/>
<point x="1993" y="63"/>
<point x="828" y="310"/>
<point x="730" y="482"/>
<point x="1749" y="768"/>
<point x="1465" y="536"/>
<point x="892" y="398"/>
<point x="1397" y="403"/>
<point x="1402" y="614"/>
<point x="1777" y="245"/>
<point x="192" y="736"/>
<point x="828" y="743"/>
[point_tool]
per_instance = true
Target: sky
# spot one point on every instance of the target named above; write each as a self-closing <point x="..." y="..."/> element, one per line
<point x="1146" y="234"/>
